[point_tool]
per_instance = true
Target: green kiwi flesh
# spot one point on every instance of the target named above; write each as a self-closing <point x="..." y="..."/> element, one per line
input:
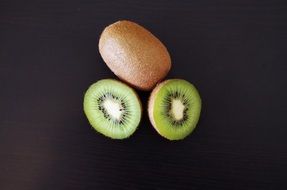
<point x="112" y="108"/>
<point x="174" y="108"/>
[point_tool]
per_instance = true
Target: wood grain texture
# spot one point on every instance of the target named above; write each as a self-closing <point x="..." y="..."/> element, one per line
<point x="233" y="51"/>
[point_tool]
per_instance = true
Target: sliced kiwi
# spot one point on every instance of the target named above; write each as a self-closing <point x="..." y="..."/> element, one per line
<point x="112" y="108"/>
<point x="174" y="108"/>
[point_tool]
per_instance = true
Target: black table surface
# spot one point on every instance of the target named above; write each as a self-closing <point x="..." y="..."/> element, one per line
<point x="233" y="51"/>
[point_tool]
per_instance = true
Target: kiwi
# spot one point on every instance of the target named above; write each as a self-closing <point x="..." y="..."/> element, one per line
<point x="112" y="108"/>
<point x="134" y="54"/>
<point x="174" y="108"/>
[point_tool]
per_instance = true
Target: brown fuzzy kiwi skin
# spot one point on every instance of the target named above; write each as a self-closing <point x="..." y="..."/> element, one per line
<point x="134" y="54"/>
<point x="151" y="102"/>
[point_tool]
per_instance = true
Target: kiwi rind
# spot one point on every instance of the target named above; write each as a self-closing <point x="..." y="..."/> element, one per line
<point x="154" y="106"/>
<point x="94" y="116"/>
<point x="134" y="54"/>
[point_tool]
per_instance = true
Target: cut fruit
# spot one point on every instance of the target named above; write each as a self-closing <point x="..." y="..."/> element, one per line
<point x="112" y="108"/>
<point x="174" y="108"/>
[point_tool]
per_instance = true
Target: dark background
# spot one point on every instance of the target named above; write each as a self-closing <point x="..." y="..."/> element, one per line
<point x="233" y="51"/>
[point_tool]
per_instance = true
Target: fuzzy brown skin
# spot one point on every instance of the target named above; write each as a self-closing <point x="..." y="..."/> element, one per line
<point x="151" y="102"/>
<point x="134" y="54"/>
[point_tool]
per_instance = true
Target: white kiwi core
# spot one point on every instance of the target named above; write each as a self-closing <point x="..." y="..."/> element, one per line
<point x="113" y="108"/>
<point x="177" y="109"/>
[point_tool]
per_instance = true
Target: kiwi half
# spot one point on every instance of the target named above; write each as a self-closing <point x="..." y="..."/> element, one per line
<point x="112" y="108"/>
<point x="174" y="108"/>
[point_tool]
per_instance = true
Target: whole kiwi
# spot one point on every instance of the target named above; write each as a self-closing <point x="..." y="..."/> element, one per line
<point x="134" y="54"/>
